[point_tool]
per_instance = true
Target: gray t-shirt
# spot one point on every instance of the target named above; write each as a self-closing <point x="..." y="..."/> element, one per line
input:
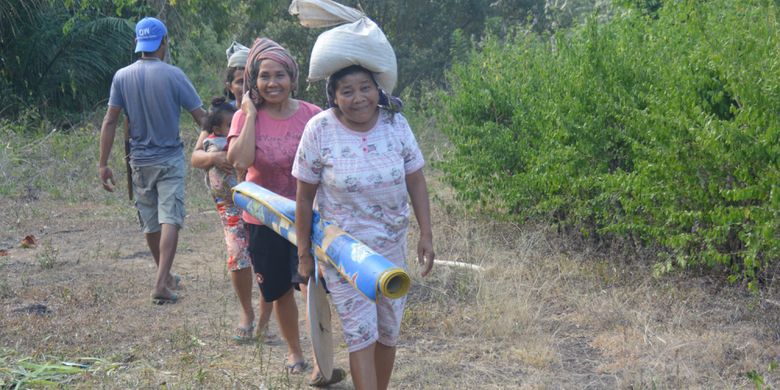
<point x="152" y="94"/>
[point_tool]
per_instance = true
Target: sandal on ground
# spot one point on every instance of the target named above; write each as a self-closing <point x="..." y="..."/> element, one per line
<point x="244" y="334"/>
<point x="297" y="367"/>
<point x="165" y="300"/>
<point x="337" y="376"/>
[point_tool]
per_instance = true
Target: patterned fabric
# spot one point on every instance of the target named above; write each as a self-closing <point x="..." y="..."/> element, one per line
<point x="360" y="318"/>
<point x="219" y="181"/>
<point x="276" y="141"/>
<point x="236" y="237"/>
<point x="362" y="188"/>
<point x="362" y="177"/>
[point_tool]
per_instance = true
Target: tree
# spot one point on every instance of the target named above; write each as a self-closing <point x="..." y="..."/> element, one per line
<point x="58" y="59"/>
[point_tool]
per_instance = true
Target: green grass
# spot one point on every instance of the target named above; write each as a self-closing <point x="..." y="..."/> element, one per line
<point x="46" y="371"/>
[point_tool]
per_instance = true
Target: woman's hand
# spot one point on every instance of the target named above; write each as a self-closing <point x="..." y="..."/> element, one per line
<point x="418" y="193"/>
<point x="304" y="202"/>
<point x="305" y="265"/>
<point x="425" y="254"/>
<point x="219" y="160"/>
<point x="247" y="105"/>
<point x="241" y="150"/>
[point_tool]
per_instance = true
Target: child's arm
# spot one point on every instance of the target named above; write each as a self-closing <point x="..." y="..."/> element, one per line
<point x="205" y="160"/>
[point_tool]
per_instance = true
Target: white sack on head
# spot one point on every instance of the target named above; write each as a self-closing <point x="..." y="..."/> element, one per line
<point x="234" y="47"/>
<point x="323" y="13"/>
<point x="360" y="42"/>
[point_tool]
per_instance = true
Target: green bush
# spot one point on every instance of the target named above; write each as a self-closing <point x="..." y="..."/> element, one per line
<point x="662" y="127"/>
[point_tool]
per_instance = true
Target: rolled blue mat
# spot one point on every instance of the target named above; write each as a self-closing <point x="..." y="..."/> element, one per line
<point x="367" y="271"/>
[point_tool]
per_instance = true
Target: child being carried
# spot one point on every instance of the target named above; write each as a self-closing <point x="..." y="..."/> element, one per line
<point x="219" y="181"/>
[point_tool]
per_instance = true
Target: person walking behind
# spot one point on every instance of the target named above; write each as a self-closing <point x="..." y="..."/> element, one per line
<point x="234" y="75"/>
<point x="240" y="272"/>
<point x="152" y="93"/>
<point x="263" y="139"/>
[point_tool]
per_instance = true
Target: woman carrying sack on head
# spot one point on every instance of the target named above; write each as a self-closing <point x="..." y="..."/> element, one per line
<point x="361" y="160"/>
<point x="263" y="140"/>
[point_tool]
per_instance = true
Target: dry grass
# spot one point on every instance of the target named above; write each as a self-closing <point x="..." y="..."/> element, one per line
<point x="546" y="313"/>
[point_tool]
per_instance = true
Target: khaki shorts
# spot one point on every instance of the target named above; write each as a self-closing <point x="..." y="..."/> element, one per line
<point x="159" y="194"/>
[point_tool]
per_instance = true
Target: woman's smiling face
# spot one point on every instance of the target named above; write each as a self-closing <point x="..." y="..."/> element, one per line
<point x="273" y="82"/>
<point x="357" y="97"/>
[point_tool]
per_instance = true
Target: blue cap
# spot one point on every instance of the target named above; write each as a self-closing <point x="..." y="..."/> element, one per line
<point x="149" y="32"/>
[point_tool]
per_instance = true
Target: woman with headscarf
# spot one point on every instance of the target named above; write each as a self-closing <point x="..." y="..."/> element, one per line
<point x="234" y="76"/>
<point x="263" y="140"/>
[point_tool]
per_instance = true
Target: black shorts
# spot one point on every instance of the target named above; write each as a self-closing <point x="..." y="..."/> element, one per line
<point x="274" y="260"/>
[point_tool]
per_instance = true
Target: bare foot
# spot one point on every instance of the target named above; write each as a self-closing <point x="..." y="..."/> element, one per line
<point x="315" y="373"/>
<point x="173" y="282"/>
<point x="163" y="294"/>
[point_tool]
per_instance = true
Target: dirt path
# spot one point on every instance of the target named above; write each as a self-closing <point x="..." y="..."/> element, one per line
<point x="537" y="318"/>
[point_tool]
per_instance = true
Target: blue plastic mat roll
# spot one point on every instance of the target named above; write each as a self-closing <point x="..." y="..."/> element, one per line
<point x="367" y="271"/>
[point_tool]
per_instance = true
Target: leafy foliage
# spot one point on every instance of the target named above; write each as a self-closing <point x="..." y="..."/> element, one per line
<point x="57" y="58"/>
<point x="661" y="127"/>
<point x="60" y="55"/>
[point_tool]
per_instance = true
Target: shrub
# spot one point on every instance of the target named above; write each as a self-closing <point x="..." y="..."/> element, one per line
<point x="659" y="126"/>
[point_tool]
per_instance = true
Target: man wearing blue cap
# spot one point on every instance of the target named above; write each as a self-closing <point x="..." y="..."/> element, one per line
<point x="152" y="93"/>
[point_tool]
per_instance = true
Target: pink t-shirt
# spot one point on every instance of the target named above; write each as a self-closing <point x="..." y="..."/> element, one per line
<point x="362" y="178"/>
<point x="276" y="141"/>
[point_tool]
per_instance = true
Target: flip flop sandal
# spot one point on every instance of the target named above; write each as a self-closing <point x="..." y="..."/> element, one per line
<point x="244" y="334"/>
<point x="297" y="367"/>
<point x="337" y="376"/>
<point x="165" y="300"/>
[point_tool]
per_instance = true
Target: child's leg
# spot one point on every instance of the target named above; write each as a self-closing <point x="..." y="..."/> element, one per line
<point x="239" y="265"/>
<point x="242" y="284"/>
